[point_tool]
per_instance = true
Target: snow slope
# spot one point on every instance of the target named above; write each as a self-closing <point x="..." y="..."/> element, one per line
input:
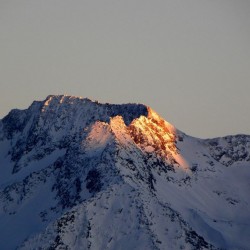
<point x="77" y="174"/>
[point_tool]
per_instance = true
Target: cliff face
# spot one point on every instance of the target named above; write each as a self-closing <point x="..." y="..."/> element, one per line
<point x="77" y="174"/>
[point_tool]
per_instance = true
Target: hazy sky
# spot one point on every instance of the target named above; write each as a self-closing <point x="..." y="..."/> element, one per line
<point x="187" y="59"/>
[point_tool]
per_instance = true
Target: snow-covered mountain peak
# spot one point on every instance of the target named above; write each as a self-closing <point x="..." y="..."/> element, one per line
<point x="167" y="127"/>
<point x="78" y="174"/>
<point x="64" y="100"/>
<point x="100" y="111"/>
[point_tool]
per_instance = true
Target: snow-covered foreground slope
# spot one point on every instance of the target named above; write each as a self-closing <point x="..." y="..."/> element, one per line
<point x="77" y="174"/>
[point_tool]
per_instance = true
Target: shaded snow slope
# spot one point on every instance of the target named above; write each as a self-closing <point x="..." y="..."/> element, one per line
<point x="77" y="174"/>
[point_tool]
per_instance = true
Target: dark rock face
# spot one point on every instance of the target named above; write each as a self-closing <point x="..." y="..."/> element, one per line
<point x="93" y="181"/>
<point x="230" y="149"/>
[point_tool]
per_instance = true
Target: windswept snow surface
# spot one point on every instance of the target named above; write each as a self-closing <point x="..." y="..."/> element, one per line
<point x="77" y="174"/>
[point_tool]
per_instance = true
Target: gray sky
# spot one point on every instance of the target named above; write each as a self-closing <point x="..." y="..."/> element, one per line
<point x="187" y="59"/>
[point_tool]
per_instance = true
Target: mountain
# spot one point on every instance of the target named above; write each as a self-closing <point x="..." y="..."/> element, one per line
<point x="77" y="174"/>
